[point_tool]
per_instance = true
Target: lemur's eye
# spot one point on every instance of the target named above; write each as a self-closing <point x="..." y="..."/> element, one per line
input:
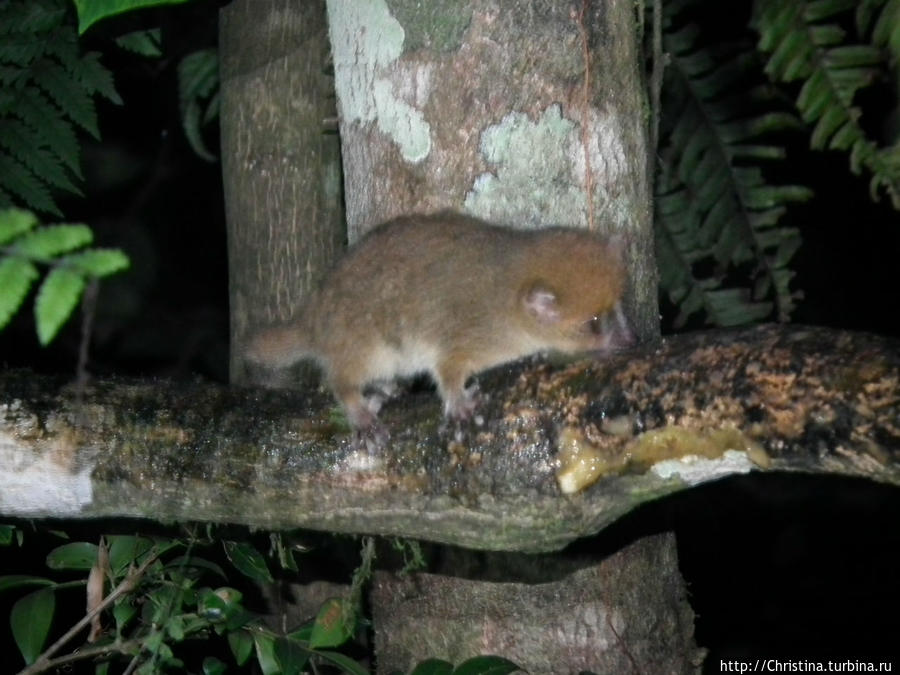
<point x="596" y="324"/>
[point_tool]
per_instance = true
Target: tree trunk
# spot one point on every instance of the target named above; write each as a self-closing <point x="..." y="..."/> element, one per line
<point x="625" y="615"/>
<point x="522" y="113"/>
<point x="281" y="167"/>
<point x="526" y="114"/>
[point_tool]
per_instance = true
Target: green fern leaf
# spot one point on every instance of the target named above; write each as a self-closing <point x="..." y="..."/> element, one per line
<point x="198" y="78"/>
<point x="16" y="277"/>
<point x="51" y="241"/>
<point x="733" y="307"/>
<point x="802" y="47"/>
<point x="25" y="145"/>
<point x="714" y="209"/>
<point x="143" y="42"/>
<point x="14" y="223"/>
<point x="98" y="262"/>
<point x="887" y="29"/>
<point x="48" y="86"/>
<point x="24" y="245"/>
<point x="35" y="110"/>
<point x="30" y="17"/>
<point x="95" y="78"/>
<point x="20" y="181"/>
<point x="65" y="92"/>
<point x="57" y="297"/>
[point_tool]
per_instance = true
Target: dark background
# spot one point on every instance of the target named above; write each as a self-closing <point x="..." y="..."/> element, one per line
<point x="777" y="565"/>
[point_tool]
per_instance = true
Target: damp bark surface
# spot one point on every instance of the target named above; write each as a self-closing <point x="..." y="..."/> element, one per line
<point x="565" y="447"/>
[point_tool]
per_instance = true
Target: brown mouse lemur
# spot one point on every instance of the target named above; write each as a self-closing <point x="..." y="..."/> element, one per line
<point x="450" y="295"/>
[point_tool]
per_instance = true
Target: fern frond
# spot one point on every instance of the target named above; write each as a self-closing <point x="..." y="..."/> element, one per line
<point x="803" y="46"/>
<point x="30" y="17"/>
<point x="48" y="86"/>
<point x="59" y="248"/>
<point x="23" y="142"/>
<point x="67" y="94"/>
<point x="18" y="180"/>
<point x="198" y="79"/>
<point x="714" y="209"/>
<point x="33" y="108"/>
<point x="881" y="19"/>
<point x="143" y="42"/>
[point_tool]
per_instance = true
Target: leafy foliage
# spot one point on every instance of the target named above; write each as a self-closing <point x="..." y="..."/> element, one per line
<point x="805" y="41"/>
<point x="46" y="90"/>
<point x="198" y="96"/>
<point x="24" y="246"/>
<point x="721" y="249"/>
<point x="157" y="602"/>
<point x="161" y="595"/>
<point x="91" y="11"/>
<point x="714" y="208"/>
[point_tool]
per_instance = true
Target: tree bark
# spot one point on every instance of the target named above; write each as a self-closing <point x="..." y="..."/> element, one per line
<point x="523" y="113"/>
<point x="615" y="617"/>
<point x="641" y="425"/>
<point x="280" y="164"/>
<point x="526" y="114"/>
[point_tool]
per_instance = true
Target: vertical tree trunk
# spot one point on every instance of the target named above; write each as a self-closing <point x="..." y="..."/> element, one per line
<point x="281" y="167"/>
<point x="525" y="113"/>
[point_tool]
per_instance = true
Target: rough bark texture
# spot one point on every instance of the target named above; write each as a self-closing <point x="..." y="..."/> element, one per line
<point x="281" y="167"/>
<point x="493" y="109"/>
<point x="629" y="614"/>
<point x="625" y="431"/>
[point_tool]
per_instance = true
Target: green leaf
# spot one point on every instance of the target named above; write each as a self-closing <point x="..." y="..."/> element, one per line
<point x="213" y="666"/>
<point x="248" y="561"/>
<point x="329" y="629"/>
<point x="265" y="653"/>
<point x="78" y="555"/>
<point x="27" y="145"/>
<point x="174" y="628"/>
<point x="33" y="108"/>
<point x="143" y="42"/>
<point x="55" y="301"/>
<point x="16" y="178"/>
<point x="486" y="665"/>
<point x="198" y="78"/>
<point x="15" y="222"/>
<point x="19" y="580"/>
<point x="241" y="644"/>
<point x="30" y="620"/>
<point x="51" y="241"/>
<point x="91" y="11"/>
<point x="291" y="656"/>
<point x="6" y="534"/>
<point x="347" y="664"/>
<point x="220" y="603"/>
<point x="125" y="550"/>
<point x="64" y="90"/>
<point x="99" y="262"/>
<point x="199" y="563"/>
<point x="433" y="667"/>
<point x="123" y="612"/>
<point x="16" y="277"/>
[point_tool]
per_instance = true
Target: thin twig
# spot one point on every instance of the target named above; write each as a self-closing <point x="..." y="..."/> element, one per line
<point x="128" y="584"/>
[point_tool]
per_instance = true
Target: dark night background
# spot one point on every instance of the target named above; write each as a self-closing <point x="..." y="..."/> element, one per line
<point x="777" y="565"/>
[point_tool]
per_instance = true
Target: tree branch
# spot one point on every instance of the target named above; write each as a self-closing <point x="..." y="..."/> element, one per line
<point x="614" y="433"/>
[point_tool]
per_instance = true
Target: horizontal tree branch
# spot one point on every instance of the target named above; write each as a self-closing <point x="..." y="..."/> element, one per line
<point x="565" y="447"/>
